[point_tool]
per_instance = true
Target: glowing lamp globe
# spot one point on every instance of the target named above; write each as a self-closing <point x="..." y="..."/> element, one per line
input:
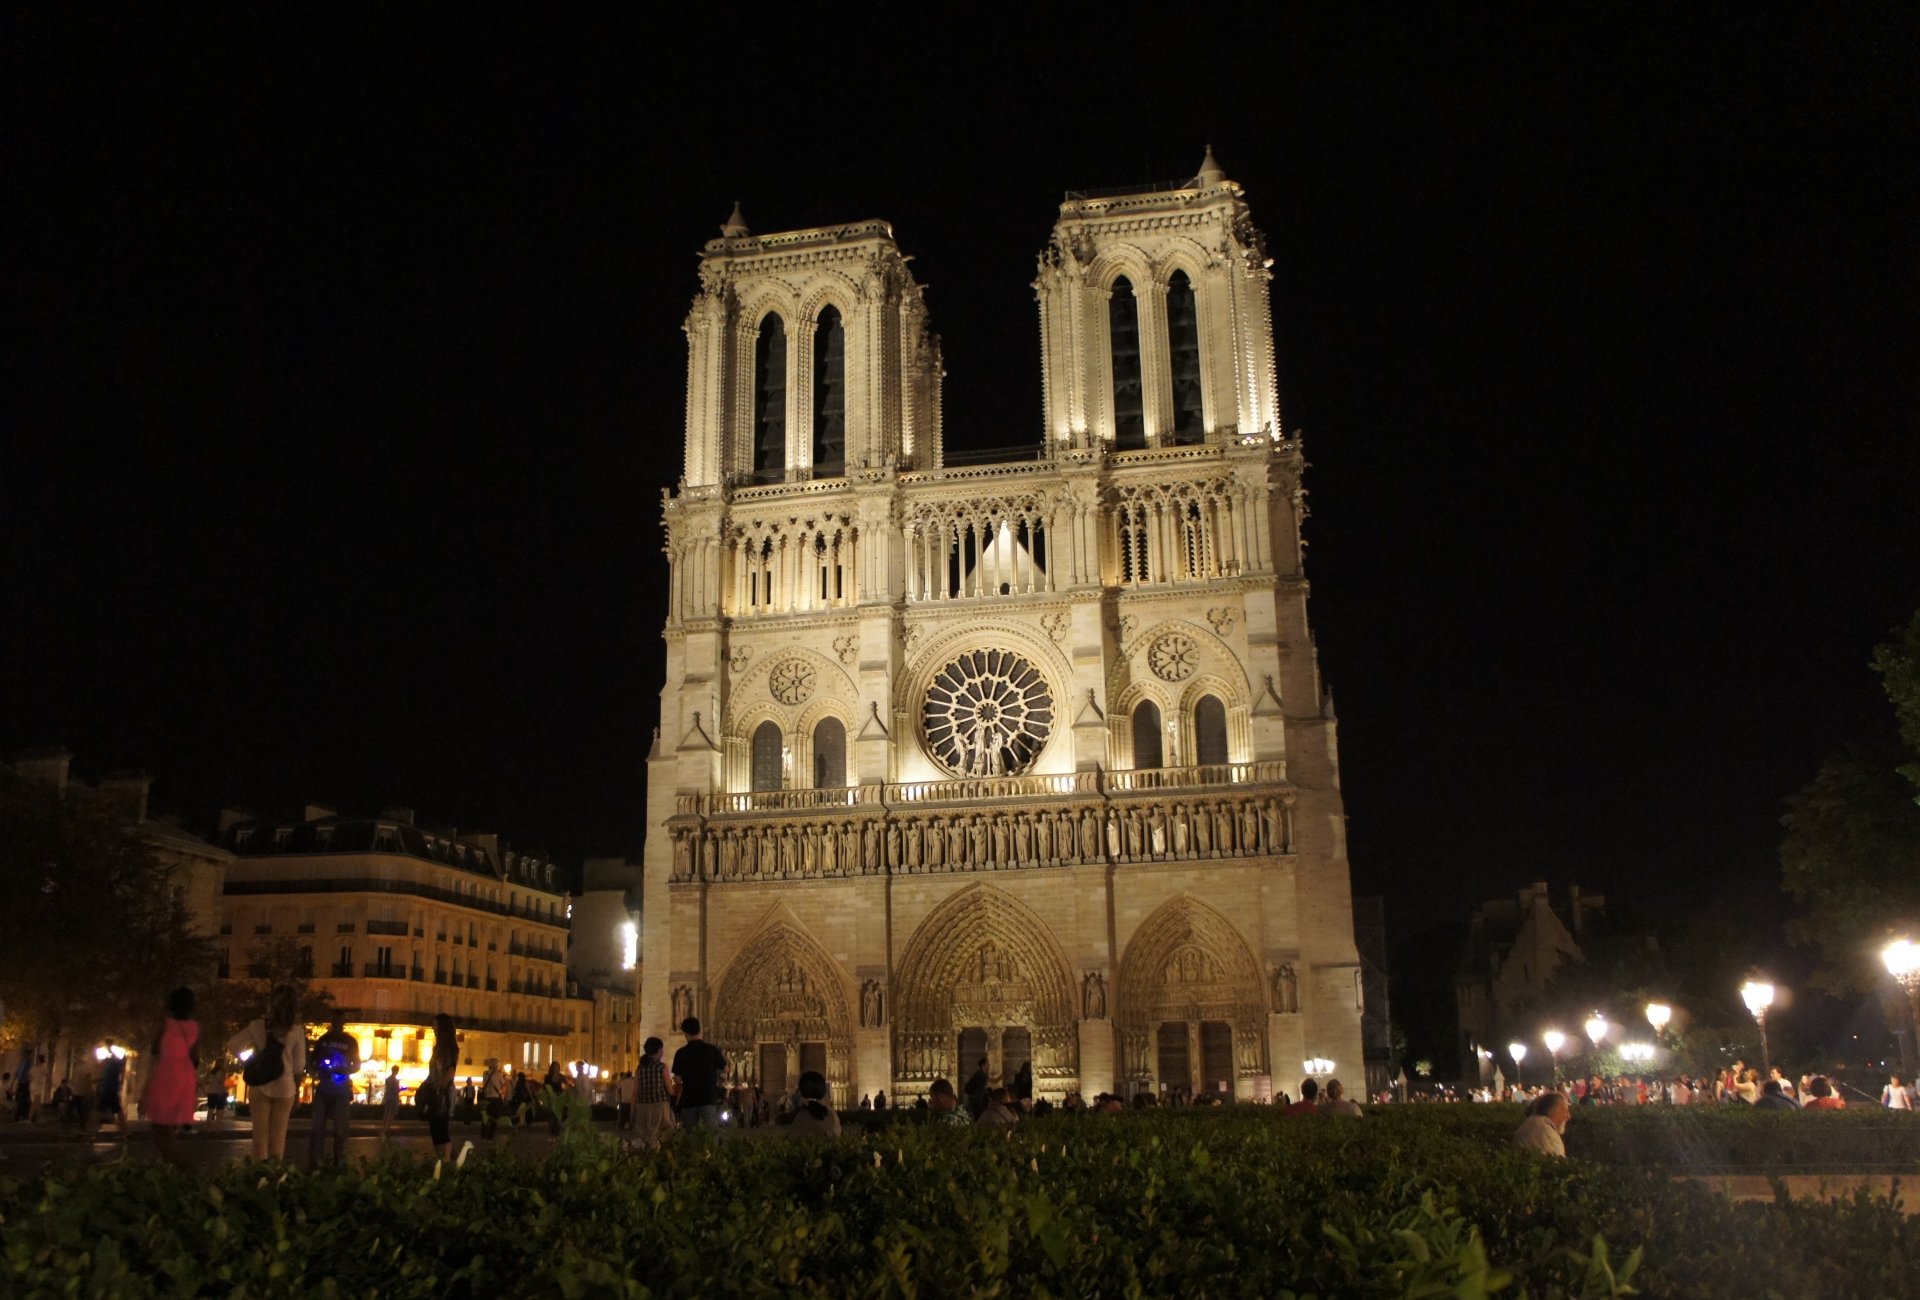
<point x="1758" y="996"/>
<point x="1658" y="1014"/>
<point x="1902" y="957"/>
<point x="1597" y="1028"/>
<point x="1518" y="1051"/>
<point x="1555" y="1040"/>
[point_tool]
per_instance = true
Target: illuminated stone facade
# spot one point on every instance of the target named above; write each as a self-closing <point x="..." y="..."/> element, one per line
<point x="400" y="922"/>
<point x="1026" y="760"/>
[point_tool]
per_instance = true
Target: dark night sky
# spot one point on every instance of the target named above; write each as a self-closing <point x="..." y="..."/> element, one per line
<point x="345" y="370"/>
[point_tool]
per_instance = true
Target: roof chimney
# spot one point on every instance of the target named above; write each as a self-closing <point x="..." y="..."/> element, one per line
<point x="319" y="812"/>
<point x="128" y="793"/>
<point x="398" y="813"/>
<point x="48" y="766"/>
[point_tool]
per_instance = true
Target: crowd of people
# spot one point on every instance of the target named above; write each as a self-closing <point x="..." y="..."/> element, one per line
<point x="1738" y="1084"/>
<point x="696" y="1091"/>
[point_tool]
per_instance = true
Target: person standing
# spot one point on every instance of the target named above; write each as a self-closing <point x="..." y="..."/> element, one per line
<point x="495" y="1089"/>
<point x="436" y="1094"/>
<point x="976" y="1089"/>
<point x="106" y="1091"/>
<point x="23" y="1090"/>
<point x="389" y="1104"/>
<point x="699" y="1067"/>
<point x="1895" y="1096"/>
<point x="274" y="1049"/>
<point x="651" y="1090"/>
<point x="172" y="1084"/>
<point x="336" y="1059"/>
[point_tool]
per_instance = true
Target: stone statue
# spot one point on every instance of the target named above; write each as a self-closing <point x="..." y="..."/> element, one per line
<point x="1094" y="996"/>
<point x="1022" y="838"/>
<point x="1286" y="990"/>
<point x="870" y="1005"/>
<point x="1043" y="837"/>
<point x="682" y="1004"/>
<point x="936" y="843"/>
<point x="977" y="834"/>
<point x="893" y="846"/>
<point x="999" y="829"/>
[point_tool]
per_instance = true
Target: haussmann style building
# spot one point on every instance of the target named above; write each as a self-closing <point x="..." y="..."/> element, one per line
<point x="1028" y="761"/>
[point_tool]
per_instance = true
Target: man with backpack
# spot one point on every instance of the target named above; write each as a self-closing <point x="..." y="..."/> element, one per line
<point x="495" y="1089"/>
<point x="334" y="1061"/>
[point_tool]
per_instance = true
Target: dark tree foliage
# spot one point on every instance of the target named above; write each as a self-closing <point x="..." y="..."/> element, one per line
<point x="1898" y="663"/>
<point x="92" y="931"/>
<point x="1851" y="859"/>
<point x="1851" y="856"/>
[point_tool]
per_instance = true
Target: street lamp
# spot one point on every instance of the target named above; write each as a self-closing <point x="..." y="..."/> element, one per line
<point x="1658" y="1014"/>
<point x="1518" y="1051"/>
<point x="1555" y="1040"/>
<point x="1758" y="995"/>
<point x="1902" y="957"/>
<point x="1318" y="1067"/>
<point x="1596" y="1029"/>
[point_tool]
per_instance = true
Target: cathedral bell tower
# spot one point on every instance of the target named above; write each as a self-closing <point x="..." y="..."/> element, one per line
<point x="809" y="356"/>
<point x="1155" y="326"/>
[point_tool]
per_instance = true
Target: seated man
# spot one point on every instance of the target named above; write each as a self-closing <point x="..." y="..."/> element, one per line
<point x="1544" y="1125"/>
<point x="1337" y="1102"/>
<point x="1771" y="1098"/>
<point x="1309" y="1103"/>
<point x="813" y="1117"/>
<point x="944" y="1104"/>
<point x="1000" y="1112"/>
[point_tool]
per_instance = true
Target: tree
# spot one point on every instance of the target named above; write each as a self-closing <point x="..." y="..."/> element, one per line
<point x="93" y="932"/>
<point x="1851" y="856"/>
<point x="229" y="1005"/>
<point x="1898" y="663"/>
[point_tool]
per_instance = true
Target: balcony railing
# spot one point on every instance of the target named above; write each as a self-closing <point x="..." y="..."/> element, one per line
<point x="342" y="970"/>
<point x="977" y="789"/>
<point x="373" y="970"/>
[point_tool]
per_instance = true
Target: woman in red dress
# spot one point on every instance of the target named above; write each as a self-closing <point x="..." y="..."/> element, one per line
<point x="173" y="1085"/>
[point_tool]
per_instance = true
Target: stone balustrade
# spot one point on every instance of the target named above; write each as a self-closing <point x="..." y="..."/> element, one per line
<point x="1229" y="810"/>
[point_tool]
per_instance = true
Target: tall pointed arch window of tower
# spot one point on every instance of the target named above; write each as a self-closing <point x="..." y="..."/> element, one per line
<point x="829" y="754"/>
<point x="1183" y="341"/>
<point x="1209" y="731"/>
<point x="768" y="757"/>
<point x="829" y="394"/>
<point x="1123" y="336"/>
<point x="770" y="400"/>
<point x="1146" y="735"/>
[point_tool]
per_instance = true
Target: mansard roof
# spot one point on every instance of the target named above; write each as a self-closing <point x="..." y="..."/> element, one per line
<point x="479" y="855"/>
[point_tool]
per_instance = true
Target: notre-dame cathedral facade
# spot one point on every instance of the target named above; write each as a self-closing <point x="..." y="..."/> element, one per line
<point x="1027" y="760"/>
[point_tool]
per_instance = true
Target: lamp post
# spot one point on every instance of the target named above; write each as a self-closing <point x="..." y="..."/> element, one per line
<point x="1902" y="957"/>
<point x="1658" y="1014"/>
<point x="1518" y="1051"/>
<point x="1555" y="1040"/>
<point x="1758" y="995"/>
<point x="1596" y="1029"/>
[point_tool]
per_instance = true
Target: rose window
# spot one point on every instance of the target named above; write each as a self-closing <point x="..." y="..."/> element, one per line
<point x="791" y="681"/>
<point x="1173" y="657"/>
<point x="988" y="713"/>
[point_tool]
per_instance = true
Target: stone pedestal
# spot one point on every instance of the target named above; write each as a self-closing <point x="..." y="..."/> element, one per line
<point x="1097" y="1070"/>
<point x="872" y="1064"/>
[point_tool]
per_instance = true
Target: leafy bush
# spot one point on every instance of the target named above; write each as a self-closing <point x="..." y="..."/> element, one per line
<point x="1425" y="1201"/>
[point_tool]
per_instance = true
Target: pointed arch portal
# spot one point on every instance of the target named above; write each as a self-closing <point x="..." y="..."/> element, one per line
<point x="781" y="1008"/>
<point x="1192" y="1008"/>
<point x="984" y="970"/>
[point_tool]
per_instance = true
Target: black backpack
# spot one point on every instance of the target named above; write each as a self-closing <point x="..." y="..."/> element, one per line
<point x="267" y="1064"/>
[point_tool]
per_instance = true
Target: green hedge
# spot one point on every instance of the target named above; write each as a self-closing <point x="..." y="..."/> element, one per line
<point x="1235" y="1203"/>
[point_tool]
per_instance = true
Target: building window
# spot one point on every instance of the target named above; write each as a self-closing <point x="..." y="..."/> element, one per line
<point x="1183" y="341"/>
<point x="1123" y="334"/>
<point x="1210" y="731"/>
<point x="767" y="756"/>
<point x="829" y="394"/>
<point x="770" y="400"/>
<point x="1146" y="735"/>
<point x="829" y="753"/>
